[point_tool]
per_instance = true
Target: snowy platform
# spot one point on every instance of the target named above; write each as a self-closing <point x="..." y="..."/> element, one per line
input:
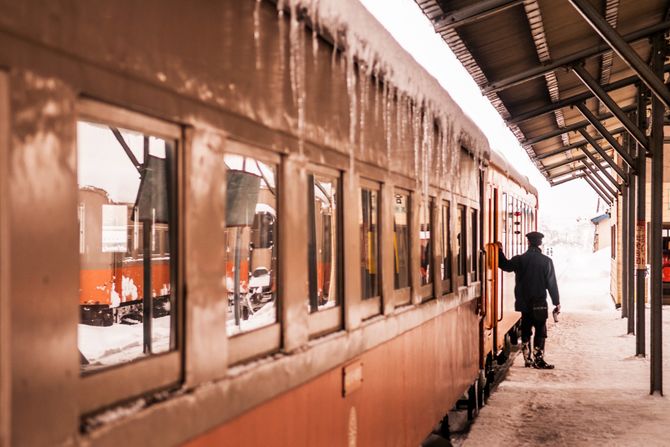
<point x="599" y="392"/>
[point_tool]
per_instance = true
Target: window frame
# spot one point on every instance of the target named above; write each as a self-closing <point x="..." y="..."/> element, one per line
<point x="372" y="306"/>
<point x="462" y="257"/>
<point x="427" y="291"/>
<point x="322" y="322"/>
<point x="403" y="296"/>
<point x="245" y="346"/>
<point x="161" y="370"/>
<point x="474" y="224"/>
<point x="446" y="239"/>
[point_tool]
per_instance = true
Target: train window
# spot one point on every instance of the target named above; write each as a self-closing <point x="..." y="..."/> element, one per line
<point x="323" y="242"/>
<point x="323" y="251"/>
<point x="126" y="174"/>
<point x="370" y="263"/>
<point x="401" y="245"/>
<point x="461" y="247"/>
<point x="251" y="255"/>
<point x="446" y="247"/>
<point x="426" y="246"/>
<point x="474" y="237"/>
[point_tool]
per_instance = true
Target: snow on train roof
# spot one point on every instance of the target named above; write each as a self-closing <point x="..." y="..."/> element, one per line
<point x="499" y="161"/>
<point x="365" y="39"/>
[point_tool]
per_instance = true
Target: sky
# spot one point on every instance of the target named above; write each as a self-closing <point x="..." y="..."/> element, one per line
<point x="414" y="32"/>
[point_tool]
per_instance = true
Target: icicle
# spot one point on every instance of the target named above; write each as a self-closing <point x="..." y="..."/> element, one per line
<point x="282" y="44"/>
<point x="315" y="25"/>
<point x="386" y="120"/>
<point x="257" y="35"/>
<point x="297" y="72"/>
<point x="351" y="92"/>
<point x="365" y="90"/>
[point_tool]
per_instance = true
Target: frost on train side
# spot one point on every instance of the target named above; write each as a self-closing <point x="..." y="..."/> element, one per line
<point x="428" y="128"/>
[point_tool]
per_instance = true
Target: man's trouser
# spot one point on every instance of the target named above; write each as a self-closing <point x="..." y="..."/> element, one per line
<point x="528" y="322"/>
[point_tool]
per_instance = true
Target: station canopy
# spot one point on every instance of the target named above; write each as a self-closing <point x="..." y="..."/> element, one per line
<point x="543" y="63"/>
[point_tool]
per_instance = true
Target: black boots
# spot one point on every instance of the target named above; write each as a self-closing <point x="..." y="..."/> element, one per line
<point x="539" y="362"/>
<point x="527" y="355"/>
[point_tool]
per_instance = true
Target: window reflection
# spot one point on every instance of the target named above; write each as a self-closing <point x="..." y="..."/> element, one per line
<point x="461" y="241"/>
<point x="474" y="226"/>
<point x="446" y="244"/>
<point x="401" y="246"/>
<point x="369" y="218"/>
<point x="124" y="231"/>
<point x="425" y="230"/>
<point x="251" y="257"/>
<point x="323" y="238"/>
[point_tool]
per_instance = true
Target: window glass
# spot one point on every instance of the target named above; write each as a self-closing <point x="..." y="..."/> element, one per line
<point x="125" y="207"/>
<point x="446" y="243"/>
<point x="474" y="225"/>
<point x="461" y="240"/>
<point x="323" y="242"/>
<point x="369" y="219"/>
<point x="251" y="254"/>
<point x="425" y="240"/>
<point x="401" y="246"/>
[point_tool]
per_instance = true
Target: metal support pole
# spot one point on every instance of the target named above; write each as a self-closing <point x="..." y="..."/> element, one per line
<point x="641" y="230"/>
<point x="575" y="145"/>
<point x="656" y="143"/>
<point x="623" y="212"/>
<point x="469" y="14"/>
<point x="630" y="239"/>
<point x="652" y="78"/>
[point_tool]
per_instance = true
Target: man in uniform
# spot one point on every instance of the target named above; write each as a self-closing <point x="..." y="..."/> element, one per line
<point x="534" y="275"/>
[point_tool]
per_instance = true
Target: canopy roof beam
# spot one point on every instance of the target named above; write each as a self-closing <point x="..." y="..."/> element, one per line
<point x="472" y="13"/>
<point x="574" y="145"/>
<point x="571" y="101"/>
<point x="620" y="45"/>
<point x="598" y="180"/>
<point x="600" y="93"/>
<point x="602" y="153"/>
<point x="602" y="130"/>
<point x="567" y="61"/>
<point x="567" y="161"/>
<point x="567" y="179"/>
<point x="598" y="191"/>
<point x="571" y="127"/>
<point x="597" y="167"/>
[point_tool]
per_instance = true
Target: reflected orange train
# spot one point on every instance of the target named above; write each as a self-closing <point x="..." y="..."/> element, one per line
<point x="111" y="282"/>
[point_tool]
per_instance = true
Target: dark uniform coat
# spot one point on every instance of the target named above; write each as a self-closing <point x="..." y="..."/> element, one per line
<point x="534" y="273"/>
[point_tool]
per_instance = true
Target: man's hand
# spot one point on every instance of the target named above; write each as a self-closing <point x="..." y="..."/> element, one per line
<point x="557" y="309"/>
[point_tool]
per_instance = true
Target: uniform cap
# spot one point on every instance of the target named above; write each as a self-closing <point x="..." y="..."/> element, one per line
<point x="535" y="237"/>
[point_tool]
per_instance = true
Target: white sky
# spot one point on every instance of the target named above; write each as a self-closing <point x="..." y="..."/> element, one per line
<point x="413" y="31"/>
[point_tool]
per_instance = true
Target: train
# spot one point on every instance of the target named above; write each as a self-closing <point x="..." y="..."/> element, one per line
<point x="241" y="223"/>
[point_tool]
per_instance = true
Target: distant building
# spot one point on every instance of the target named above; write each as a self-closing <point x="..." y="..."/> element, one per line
<point x="604" y="233"/>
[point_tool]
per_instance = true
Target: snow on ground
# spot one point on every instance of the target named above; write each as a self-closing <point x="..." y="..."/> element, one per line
<point x="120" y="343"/>
<point x="599" y="392"/>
